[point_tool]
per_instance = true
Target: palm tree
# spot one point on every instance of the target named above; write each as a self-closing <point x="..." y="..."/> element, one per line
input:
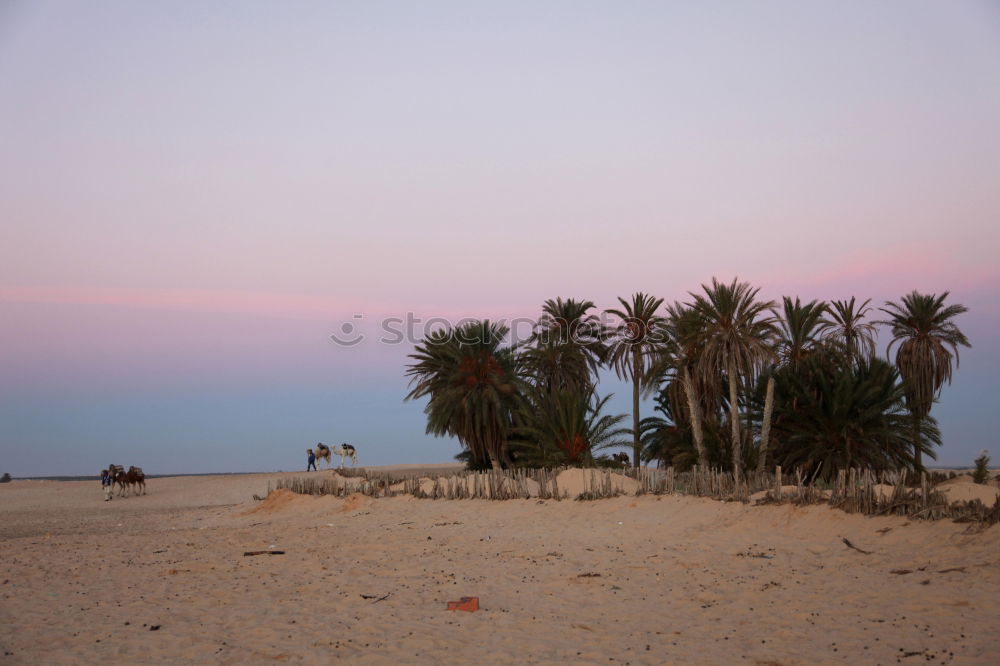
<point x="566" y="348"/>
<point x="927" y="338"/>
<point x="738" y="336"/>
<point x="636" y="344"/>
<point x="564" y="428"/>
<point x="568" y="321"/>
<point x="766" y="418"/>
<point x="831" y="415"/>
<point x="799" y="326"/>
<point x="557" y="367"/>
<point x="663" y="438"/>
<point x="669" y="439"/>
<point x="685" y="335"/>
<point x="847" y="328"/>
<point x="472" y="381"/>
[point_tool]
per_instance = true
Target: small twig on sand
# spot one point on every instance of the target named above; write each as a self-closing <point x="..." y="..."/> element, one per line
<point x="901" y="572"/>
<point x="959" y="569"/>
<point x="263" y="552"/>
<point x="851" y="545"/>
<point x="375" y="597"/>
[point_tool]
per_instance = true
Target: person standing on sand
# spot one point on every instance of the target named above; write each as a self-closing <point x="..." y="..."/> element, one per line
<point x="312" y="460"/>
<point x="106" y="484"/>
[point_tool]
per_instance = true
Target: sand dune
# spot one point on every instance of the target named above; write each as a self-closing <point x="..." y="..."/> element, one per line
<point x="626" y="580"/>
<point x="964" y="492"/>
<point x="575" y="481"/>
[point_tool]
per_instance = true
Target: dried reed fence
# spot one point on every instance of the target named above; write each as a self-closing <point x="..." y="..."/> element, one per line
<point x="854" y="490"/>
<point x="492" y="485"/>
<point x="887" y="493"/>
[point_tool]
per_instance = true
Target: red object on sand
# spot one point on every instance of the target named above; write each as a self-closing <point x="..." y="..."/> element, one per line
<point x="469" y="604"/>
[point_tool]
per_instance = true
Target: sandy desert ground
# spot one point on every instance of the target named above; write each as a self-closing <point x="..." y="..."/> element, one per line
<point x="163" y="578"/>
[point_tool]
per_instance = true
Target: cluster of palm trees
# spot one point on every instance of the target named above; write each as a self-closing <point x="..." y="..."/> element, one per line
<point x="739" y="383"/>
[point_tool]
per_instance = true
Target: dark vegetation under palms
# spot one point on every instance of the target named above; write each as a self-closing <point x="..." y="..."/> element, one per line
<point x="739" y="383"/>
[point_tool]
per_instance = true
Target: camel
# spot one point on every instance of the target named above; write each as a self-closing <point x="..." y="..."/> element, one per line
<point x="323" y="453"/>
<point x="117" y="473"/>
<point x="345" y="450"/>
<point x="125" y="480"/>
<point x="135" y="477"/>
<point x="621" y="458"/>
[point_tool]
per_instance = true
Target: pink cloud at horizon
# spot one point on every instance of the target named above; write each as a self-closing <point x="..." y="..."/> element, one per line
<point x="196" y="300"/>
<point x="888" y="274"/>
<point x="864" y="273"/>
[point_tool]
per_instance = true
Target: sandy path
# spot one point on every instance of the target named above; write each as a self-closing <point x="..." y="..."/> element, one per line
<point x="628" y="580"/>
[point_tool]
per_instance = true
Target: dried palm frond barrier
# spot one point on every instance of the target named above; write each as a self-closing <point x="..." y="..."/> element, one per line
<point x="492" y="485"/>
<point x="598" y="484"/>
<point x="901" y="493"/>
<point x="372" y="487"/>
<point x="853" y="490"/>
<point x="701" y="482"/>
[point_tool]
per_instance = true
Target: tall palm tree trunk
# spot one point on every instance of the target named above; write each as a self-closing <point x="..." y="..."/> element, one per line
<point x="734" y="421"/>
<point x="917" y="454"/>
<point x="765" y="426"/>
<point x="636" y="445"/>
<point x="496" y="448"/>
<point x="694" y="409"/>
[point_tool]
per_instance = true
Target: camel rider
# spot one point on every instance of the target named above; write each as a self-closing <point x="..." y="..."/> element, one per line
<point x="106" y="484"/>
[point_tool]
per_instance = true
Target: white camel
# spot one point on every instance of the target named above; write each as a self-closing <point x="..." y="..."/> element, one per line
<point x="345" y="450"/>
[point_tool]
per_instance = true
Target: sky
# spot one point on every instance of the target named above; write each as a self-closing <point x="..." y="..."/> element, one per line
<point x="194" y="197"/>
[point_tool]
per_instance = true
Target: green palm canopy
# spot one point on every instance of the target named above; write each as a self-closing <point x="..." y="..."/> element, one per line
<point x="471" y="379"/>
<point x="566" y="348"/>
<point x="830" y="415"/>
<point x="564" y="428"/>
<point x="845" y="325"/>
<point x="799" y="328"/>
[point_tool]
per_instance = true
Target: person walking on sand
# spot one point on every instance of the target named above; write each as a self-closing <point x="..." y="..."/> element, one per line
<point x="106" y="484"/>
<point x="312" y="460"/>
